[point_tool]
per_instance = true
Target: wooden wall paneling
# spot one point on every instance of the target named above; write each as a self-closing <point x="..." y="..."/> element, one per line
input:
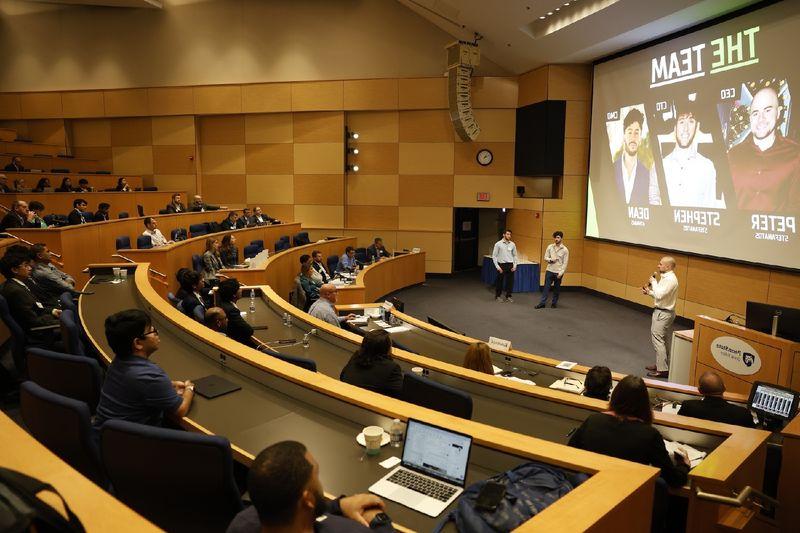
<point x="642" y="263"/>
<point x="614" y="288"/>
<point x="467" y="187"/>
<point x="170" y="101"/>
<point x="319" y="189"/>
<point x="576" y="157"/>
<point x="577" y="119"/>
<point x="270" y="189"/>
<point x="102" y="154"/>
<point x="437" y="246"/>
<point x="377" y="217"/>
<point x="568" y="222"/>
<point x="494" y="92"/>
<point x="784" y="289"/>
<point x="365" y="238"/>
<point x="173" y="130"/>
<point x="320" y="126"/>
<point x="438" y="267"/>
<point x="318" y="158"/>
<point x="221" y="130"/>
<point x="532" y="86"/>
<point x="266" y="97"/>
<point x="612" y="263"/>
<point x="76" y="104"/>
<point x="370" y="94"/>
<point x="320" y="216"/>
<point x="283" y="212"/>
<point x="426" y="218"/>
<point x="692" y="309"/>
<point x="219" y="159"/>
<point x="10" y="107"/>
<point x="573" y="196"/>
<point x="40" y="105"/>
<point x="466" y="162"/>
<point x="497" y="125"/>
<point x="93" y="132"/>
<point x="374" y="126"/>
<point x="276" y="158"/>
<point x="131" y="131"/>
<point x="376" y="158"/>
<point x="531" y="204"/>
<point x="523" y="222"/>
<point x="217" y="99"/>
<point x="426" y="158"/>
<point x="575" y="247"/>
<point x="173" y="159"/>
<point x="363" y="189"/>
<point x="264" y="128"/>
<point x="317" y="96"/>
<point x="591" y="258"/>
<point x="426" y="126"/>
<point x="224" y="188"/>
<point x="725" y="285"/>
<point x="569" y="82"/>
<point x="132" y="159"/>
<point x="529" y="248"/>
<point x="126" y="103"/>
<point x="422" y="93"/>
<point x="426" y="190"/>
<point x="47" y="131"/>
<point x="179" y="182"/>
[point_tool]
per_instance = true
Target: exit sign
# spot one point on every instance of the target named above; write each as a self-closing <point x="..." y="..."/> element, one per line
<point x="484" y="197"/>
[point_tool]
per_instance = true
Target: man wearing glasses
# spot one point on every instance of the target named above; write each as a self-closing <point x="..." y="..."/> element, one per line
<point x="136" y="389"/>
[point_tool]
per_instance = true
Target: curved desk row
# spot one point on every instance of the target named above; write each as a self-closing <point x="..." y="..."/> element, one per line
<point x="61" y="202"/>
<point x="280" y="401"/>
<point x="100" y="182"/>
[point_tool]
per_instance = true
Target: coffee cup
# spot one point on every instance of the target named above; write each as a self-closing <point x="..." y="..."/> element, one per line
<point x="418" y="370"/>
<point x="123" y="273"/>
<point x="372" y="438"/>
<point x="115" y="271"/>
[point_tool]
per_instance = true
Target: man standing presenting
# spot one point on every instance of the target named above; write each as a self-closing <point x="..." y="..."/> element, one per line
<point x="556" y="256"/>
<point x="504" y="257"/>
<point x="664" y="292"/>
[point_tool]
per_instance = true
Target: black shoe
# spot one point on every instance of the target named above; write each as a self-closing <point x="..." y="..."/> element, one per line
<point x="539" y="306"/>
<point x="553" y="305"/>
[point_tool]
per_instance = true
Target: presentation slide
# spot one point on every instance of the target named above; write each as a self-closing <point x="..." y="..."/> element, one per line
<point x="695" y="145"/>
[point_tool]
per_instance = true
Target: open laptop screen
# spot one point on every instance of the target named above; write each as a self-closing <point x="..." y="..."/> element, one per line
<point x="437" y="452"/>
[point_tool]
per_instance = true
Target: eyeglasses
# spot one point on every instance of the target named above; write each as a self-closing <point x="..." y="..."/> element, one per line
<point x="152" y="331"/>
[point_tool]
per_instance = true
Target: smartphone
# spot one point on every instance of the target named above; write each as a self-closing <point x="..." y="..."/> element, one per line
<point x="490" y="496"/>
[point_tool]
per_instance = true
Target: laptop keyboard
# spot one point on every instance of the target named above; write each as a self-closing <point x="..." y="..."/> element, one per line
<point x="423" y="485"/>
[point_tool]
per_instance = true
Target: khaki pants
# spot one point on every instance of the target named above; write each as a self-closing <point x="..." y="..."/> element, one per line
<point x="659" y="328"/>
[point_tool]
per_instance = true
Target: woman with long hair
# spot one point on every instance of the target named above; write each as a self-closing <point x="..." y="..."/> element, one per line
<point x="228" y="251"/>
<point x="372" y="366"/>
<point x="122" y="185"/>
<point x="42" y="184"/>
<point x="212" y="262"/>
<point x="66" y="185"/>
<point x="479" y="357"/>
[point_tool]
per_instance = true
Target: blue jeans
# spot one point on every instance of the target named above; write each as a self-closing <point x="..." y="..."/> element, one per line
<point x="551" y="278"/>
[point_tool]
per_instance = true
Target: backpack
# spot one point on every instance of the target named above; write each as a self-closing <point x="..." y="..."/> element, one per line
<point x="530" y="488"/>
<point x="21" y="510"/>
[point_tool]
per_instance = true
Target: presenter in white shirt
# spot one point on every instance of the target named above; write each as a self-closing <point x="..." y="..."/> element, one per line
<point x="154" y="233"/>
<point x="504" y="256"/>
<point x="665" y="293"/>
<point x="557" y="257"/>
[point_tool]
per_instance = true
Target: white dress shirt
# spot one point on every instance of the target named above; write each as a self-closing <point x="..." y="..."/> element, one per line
<point x="691" y="179"/>
<point x="156" y="236"/>
<point x="664" y="291"/>
<point x="628" y="178"/>
<point x="504" y="252"/>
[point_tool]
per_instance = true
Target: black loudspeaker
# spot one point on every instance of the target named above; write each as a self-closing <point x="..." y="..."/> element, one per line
<point x="539" y="148"/>
<point x="521" y="190"/>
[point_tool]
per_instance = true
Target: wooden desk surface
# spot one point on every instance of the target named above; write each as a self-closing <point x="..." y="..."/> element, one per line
<point x="99" y="181"/>
<point x="96" y="509"/>
<point x="617" y="494"/>
<point x="61" y="202"/>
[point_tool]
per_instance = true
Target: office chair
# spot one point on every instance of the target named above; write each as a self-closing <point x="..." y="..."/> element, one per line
<point x="301" y="238"/>
<point x="73" y="376"/>
<point x="428" y="393"/>
<point x="140" y="210"/>
<point x="250" y="251"/>
<point x="144" y="242"/>
<point x="195" y="230"/>
<point x="197" y="263"/>
<point x="123" y="243"/>
<point x="333" y="263"/>
<point x="123" y="214"/>
<point x="69" y="325"/>
<point x="302" y="362"/>
<point x="88" y="216"/>
<point x="259" y="243"/>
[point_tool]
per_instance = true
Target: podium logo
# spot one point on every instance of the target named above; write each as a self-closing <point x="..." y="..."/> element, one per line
<point x="735" y="355"/>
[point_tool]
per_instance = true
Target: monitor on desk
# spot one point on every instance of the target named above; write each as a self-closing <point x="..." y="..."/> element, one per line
<point x="759" y="317"/>
<point x="773" y="401"/>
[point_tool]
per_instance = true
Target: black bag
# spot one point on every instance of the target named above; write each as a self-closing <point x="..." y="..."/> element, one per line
<point x="21" y="510"/>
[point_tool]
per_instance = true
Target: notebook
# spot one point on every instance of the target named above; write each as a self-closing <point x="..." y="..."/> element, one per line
<point x="213" y="386"/>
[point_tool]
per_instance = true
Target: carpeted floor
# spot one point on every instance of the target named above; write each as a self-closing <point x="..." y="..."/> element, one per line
<point x="585" y="328"/>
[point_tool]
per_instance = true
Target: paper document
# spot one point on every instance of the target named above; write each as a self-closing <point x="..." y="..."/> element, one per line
<point x="390" y="462"/>
<point x="695" y="455"/>
<point x="398" y="329"/>
<point x="566" y="365"/>
<point x="382" y="324"/>
<point x="496" y="369"/>
<point x="671" y="407"/>
<point x="519" y="380"/>
<point x="568" y="384"/>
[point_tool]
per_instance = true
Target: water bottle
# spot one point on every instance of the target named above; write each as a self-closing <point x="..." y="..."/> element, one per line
<point x="284" y="318"/>
<point x="288" y="320"/>
<point x="306" y="340"/>
<point x="396" y="433"/>
<point x="252" y="308"/>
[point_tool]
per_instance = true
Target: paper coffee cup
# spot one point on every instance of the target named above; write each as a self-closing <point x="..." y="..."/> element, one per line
<point x="418" y="370"/>
<point x="123" y="273"/>
<point x="115" y="270"/>
<point x="372" y="438"/>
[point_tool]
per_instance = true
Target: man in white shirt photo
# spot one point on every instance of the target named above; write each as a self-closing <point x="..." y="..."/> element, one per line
<point x="557" y="257"/>
<point x="504" y="256"/>
<point x="665" y="293"/>
<point x="154" y="233"/>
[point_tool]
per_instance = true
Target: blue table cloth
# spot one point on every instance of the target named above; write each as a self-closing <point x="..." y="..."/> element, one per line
<point x="526" y="278"/>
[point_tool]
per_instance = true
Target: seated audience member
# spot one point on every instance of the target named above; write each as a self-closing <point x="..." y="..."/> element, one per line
<point x="199" y="205"/>
<point x="212" y="262"/>
<point x="193" y="292"/>
<point x="19" y="185"/>
<point x="377" y="251"/>
<point x="102" y="212"/>
<point x="18" y="217"/>
<point x="230" y="221"/>
<point x="228" y="293"/>
<point x="348" y="260"/>
<point x="310" y="287"/>
<point x="75" y="216"/>
<point x="216" y="319"/>
<point x="319" y="267"/>
<point x="25" y="307"/>
<point x="4" y="183"/>
<point x="372" y="367"/>
<point x="179" y="275"/>
<point x="259" y="218"/>
<point x="713" y="406"/>
<point x="83" y="186"/>
<point x="47" y="275"/>
<point x="287" y="495"/>
<point x="479" y="358"/>
<point x="323" y="308"/>
<point x="597" y="383"/>
<point x="315" y="275"/>
<point x="152" y="231"/>
<point x="228" y="251"/>
<point x="136" y="389"/>
<point x="66" y="185"/>
<point x="42" y="184"/>
<point x="122" y="185"/>
<point x="36" y="208"/>
<point x="244" y="220"/>
<point x="175" y="205"/>
<point x="15" y="165"/>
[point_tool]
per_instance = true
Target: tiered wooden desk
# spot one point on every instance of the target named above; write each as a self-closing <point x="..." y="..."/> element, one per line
<point x="61" y="202"/>
<point x="100" y="182"/>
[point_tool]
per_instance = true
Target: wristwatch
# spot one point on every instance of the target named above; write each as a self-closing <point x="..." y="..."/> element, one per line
<point x="380" y="519"/>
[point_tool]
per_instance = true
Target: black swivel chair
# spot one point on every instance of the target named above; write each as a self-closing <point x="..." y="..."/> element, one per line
<point x="19" y="340"/>
<point x="73" y="376"/>
<point x="333" y="263"/>
<point x="180" y="481"/>
<point x="123" y="243"/>
<point x="301" y="238"/>
<point x="250" y="251"/>
<point x="73" y="340"/>
<point x="144" y="242"/>
<point x="302" y="362"/>
<point x="428" y="393"/>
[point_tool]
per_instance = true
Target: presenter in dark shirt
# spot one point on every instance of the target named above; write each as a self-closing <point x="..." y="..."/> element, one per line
<point x="76" y="216"/>
<point x="372" y="367"/>
<point x="287" y="495"/>
<point x="238" y="329"/>
<point x="713" y="406"/>
<point x="136" y="389"/>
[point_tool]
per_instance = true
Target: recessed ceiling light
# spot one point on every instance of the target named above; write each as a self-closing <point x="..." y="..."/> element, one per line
<point x="558" y="9"/>
<point x="542" y="17"/>
<point x="549" y="13"/>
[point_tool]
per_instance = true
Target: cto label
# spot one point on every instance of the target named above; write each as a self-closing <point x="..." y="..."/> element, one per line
<point x="735" y="355"/>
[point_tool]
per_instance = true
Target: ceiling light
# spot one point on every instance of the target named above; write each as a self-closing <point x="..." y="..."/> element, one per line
<point x="352" y="168"/>
<point x="549" y="13"/>
<point x="352" y="151"/>
<point x="542" y="17"/>
<point x="558" y="9"/>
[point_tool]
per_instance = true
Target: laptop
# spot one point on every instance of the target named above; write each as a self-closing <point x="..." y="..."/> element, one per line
<point x="432" y="472"/>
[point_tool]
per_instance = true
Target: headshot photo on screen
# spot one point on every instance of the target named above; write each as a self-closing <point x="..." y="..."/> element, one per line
<point x="634" y="174"/>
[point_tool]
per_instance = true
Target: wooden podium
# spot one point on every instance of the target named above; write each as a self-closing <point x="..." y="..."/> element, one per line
<point x="743" y="356"/>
